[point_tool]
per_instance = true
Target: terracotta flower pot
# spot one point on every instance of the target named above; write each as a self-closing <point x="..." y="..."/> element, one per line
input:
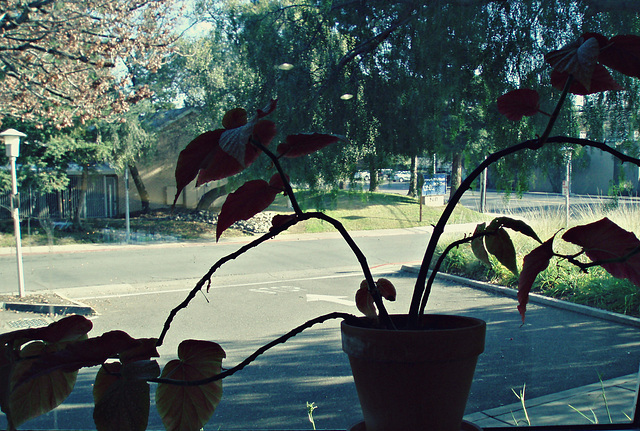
<point x="414" y="379"/>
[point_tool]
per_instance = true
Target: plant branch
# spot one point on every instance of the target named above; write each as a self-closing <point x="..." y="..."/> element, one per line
<point x="207" y="277"/>
<point x="285" y="179"/>
<point x="442" y="257"/>
<point x="373" y="290"/>
<point x="586" y="265"/>
<point x="260" y="351"/>
<point x="375" y="293"/>
<point x="421" y="288"/>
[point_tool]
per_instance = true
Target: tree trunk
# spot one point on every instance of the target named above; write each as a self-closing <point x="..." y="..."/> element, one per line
<point x="80" y="207"/>
<point x="142" y="190"/>
<point x="373" y="175"/>
<point x="413" y="180"/>
<point x="456" y="173"/>
<point x="209" y="197"/>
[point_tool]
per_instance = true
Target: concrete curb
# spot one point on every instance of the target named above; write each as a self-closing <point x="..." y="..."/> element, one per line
<point x="60" y="309"/>
<point x="536" y="299"/>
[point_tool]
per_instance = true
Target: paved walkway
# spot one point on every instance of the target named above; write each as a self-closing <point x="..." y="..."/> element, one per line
<point x="609" y="401"/>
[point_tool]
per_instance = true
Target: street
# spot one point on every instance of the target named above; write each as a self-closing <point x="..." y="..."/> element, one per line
<point x="269" y="291"/>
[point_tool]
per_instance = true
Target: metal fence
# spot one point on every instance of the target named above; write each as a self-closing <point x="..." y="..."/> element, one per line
<point x="101" y="200"/>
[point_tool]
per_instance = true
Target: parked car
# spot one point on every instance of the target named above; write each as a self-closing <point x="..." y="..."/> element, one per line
<point x="385" y="174"/>
<point x="402" y="176"/>
<point x="362" y="175"/>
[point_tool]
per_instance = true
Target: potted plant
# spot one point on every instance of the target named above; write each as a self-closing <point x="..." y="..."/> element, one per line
<point x="436" y="354"/>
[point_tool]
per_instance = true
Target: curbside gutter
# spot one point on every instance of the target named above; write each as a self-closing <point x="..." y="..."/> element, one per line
<point x="535" y="298"/>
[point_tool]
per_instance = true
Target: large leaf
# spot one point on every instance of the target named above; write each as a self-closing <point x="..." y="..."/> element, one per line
<point x="189" y="408"/>
<point x="601" y="80"/>
<point x="190" y="160"/>
<point x="577" y="59"/>
<point x="250" y="199"/>
<point x="220" y="164"/>
<point x="477" y="246"/>
<point x="514" y="224"/>
<point x="39" y="395"/>
<point x="622" y="53"/>
<point x="85" y="353"/>
<point x="66" y="329"/>
<point x="604" y="240"/>
<point x="534" y="263"/>
<point x="233" y="118"/>
<point x="121" y="404"/>
<point x="364" y="301"/>
<point x="303" y="144"/>
<point x="499" y="244"/>
<point x="519" y="103"/>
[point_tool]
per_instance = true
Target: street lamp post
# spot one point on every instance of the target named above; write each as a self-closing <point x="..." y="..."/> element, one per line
<point x="566" y="186"/>
<point x="11" y="140"/>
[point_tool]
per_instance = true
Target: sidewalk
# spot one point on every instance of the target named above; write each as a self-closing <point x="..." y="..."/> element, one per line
<point x="610" y="401"/>
<point x="615" y="397"/>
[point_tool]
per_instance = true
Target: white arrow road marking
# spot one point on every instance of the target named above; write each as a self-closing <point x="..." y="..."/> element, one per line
<point x="330" y="298"/>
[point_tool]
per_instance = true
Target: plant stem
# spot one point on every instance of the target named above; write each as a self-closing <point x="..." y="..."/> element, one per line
<point x="260" y="351"/>
<point x="373" y="290"/>
<point x="422" y="290"/>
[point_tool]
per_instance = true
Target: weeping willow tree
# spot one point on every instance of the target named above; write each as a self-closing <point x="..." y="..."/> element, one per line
<point x="397" y="78"/>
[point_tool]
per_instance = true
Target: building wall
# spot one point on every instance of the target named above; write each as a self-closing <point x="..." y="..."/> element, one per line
<point x="158" y="171"/>
<point x="595" y="178"/>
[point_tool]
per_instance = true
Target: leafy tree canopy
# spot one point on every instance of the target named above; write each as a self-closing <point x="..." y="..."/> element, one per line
<point x="63" y="59"/>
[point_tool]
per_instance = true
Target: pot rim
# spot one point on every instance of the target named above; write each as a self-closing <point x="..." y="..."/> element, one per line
<point x="367" y="323"/>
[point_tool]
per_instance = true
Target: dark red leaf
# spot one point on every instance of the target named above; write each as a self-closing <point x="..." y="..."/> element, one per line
<point x="268" y="109"/>
<point x="234" y="118"/>
<point x="264" y="132"/>
<point x="601" y="80"/>
<point x="519" y="103"/>
<point x="303" y="144"/>
<point x="120" y="404"/>
<point x="517" y="225"/>
<point x="387" y="289"/>
<point x="622" y="54"/>
<point x="578" y="59"/>
<point x="602" y="39"/>
<point x="500" y="245"/>
<point x="190" y="407"/>
<point x="42" y="394"/>
<point x="364" y="302"/>
<point x="192" y="157"/>
<point x="144" y="349"/>
<point x="280" y="219"/>
<point x="250" y="199"/>
<point x="85" y="353"/>
<point x="276" y="182"/>
<point x="218" y="165"/>
<point x="534" y="263"/>
<point x="69" y="328"/>
<point x="603" y="240"/>
<point x="478" y="248"/>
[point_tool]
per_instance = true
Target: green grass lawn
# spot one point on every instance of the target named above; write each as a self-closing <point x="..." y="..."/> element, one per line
<point x="355" y="210"/>
<point x="366" y="211"/>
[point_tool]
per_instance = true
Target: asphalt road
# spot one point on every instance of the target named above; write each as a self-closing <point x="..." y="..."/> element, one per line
<point x="286" y="282"/>
<point x="270" y="290"/>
